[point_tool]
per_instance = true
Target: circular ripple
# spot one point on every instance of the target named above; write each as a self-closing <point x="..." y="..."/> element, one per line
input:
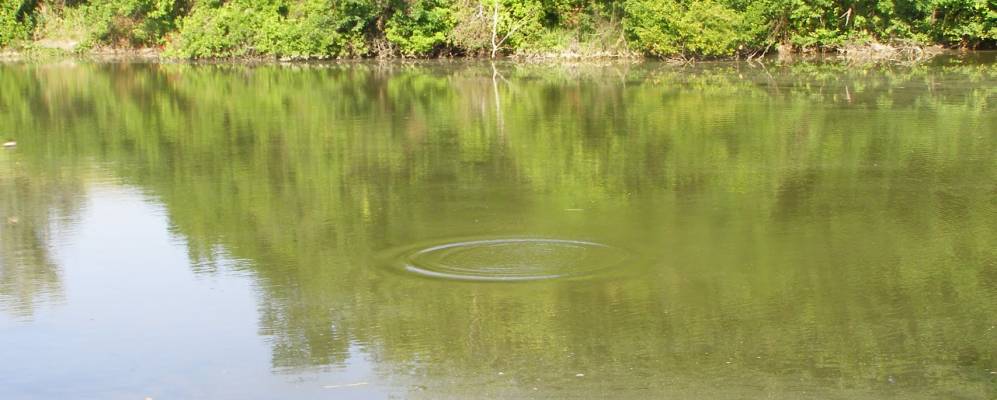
<point x="515" y="259"/>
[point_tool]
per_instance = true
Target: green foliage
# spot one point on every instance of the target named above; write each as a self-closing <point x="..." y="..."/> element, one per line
<point x="831" y="23"/>
<point x="472" y="28"/>
<point x="667" y="27"/>
<point x="963" y="22"/>
<point x="305" y="32"/>
<point x="421" y="28"/>
<point x="522" y="21"/>
<point x="217" y="32"/>
<point x="131" y="22"/>
<point x="15" y="20"/>
<point x="305" y="29"/>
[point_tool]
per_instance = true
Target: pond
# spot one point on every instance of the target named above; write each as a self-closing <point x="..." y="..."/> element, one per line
<point x="475" y="230"/>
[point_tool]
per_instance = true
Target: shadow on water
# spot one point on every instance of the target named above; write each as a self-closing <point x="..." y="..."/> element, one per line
<point x="33" y="209"/>
<point x="805" y="230"/>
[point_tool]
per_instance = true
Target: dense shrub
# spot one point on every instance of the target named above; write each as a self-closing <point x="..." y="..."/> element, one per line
<point x="15" y="20"/>
<point x="831" y="23"/>
<point x="472" y="27"/>
<point x="213" y="30"/>
<point x="302" y="29"/>
<point x="963" y="22"/>
<point x="420" y="26"/>
<point x="135" y="22"/>
<point x="668" y="27"/>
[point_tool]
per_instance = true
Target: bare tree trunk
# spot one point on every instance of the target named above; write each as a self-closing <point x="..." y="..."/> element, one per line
<point x="495" y="21"/>
<point x="496" y="42"/>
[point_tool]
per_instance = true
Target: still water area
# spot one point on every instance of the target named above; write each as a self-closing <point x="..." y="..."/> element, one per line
<point x="806" y="230"/>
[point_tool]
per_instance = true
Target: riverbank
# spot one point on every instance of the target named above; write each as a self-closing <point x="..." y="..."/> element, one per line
<point x="864" y="53"/>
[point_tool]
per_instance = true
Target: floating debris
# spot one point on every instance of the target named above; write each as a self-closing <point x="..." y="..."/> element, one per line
<point x="580" y="375"/>
<point x="10" y="144"/>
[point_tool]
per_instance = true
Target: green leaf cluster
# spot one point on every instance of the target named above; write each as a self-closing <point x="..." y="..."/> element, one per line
<point x="668" y="27"/>
<point x="15" y="21"/>
<point x="244" y="27"/>
<point x="420" y="26"/>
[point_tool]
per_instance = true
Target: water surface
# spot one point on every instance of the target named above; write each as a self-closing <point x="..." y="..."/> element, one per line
<point x="469" y="231"/>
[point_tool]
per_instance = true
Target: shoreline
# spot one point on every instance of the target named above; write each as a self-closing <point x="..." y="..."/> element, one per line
<point x="866" y="53"/>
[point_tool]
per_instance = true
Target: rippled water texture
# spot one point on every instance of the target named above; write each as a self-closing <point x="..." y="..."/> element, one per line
<point x="458" y="230"/>
<point x="511" y="259"/>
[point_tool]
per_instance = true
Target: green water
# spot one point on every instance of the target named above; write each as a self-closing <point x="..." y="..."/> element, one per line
<point x="446" y="230"/>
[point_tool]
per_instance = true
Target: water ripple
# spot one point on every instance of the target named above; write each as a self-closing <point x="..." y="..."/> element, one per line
<point x="510" y="259"/>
